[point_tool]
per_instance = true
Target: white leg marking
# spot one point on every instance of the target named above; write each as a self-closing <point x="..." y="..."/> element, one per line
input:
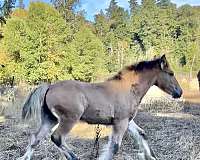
<point x="141" y="142"/>
<point x="28" y="154"/>
<point x="106" y="151"/>
<point x="132" y="124"/>
<point x="54" y="128"/>
<point x="115" y="140"/>
<point x="35" y="139"/>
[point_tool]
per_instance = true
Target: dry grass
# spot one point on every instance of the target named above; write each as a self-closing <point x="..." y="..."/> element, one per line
<point x="2" y="119"/>
<point x="192" y="96"/>
<point x="84" y="130"/>
<point x="173" y="128"/>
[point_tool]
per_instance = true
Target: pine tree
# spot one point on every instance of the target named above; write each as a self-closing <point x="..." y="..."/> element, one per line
<point x="112" y="9"/>
<point x="164" y="3"/>
<point x="66" y="8"/>
<point x="101" y="24"/>
<point x="7" y="7"/>
<point x="133" y="6"/>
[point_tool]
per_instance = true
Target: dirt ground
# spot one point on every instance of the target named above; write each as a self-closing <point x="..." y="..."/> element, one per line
<point x="172" y="127"/>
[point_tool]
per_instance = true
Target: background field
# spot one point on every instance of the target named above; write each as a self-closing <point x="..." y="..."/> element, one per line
<point x="172" y="126"/>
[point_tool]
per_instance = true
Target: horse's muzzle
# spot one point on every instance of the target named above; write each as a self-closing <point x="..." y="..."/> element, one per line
<point x="177" y="93"/>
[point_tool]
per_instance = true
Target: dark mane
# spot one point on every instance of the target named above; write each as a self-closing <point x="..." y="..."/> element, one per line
<point x="143" y="65"/>
<point x="138" y="67"/>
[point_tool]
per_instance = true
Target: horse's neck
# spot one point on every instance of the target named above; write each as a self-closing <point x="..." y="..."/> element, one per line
<point x="146" y="80"/>
<point x="138" y="83"/>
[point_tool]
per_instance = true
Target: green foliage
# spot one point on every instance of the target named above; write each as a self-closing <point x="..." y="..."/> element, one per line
<point x="44" y="48"/>
<point x="148" y="4"/>
<point x="66" y="8"/>
<point x="36" y="38"/>
<point x="89" y="62"/>
<point x="43" y="43"/>
<point x="133" y="5"/>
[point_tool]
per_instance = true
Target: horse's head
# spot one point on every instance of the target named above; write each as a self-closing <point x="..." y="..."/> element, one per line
<point x="166" y="79"/>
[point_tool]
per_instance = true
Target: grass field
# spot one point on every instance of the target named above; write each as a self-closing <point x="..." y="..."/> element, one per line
<point x="173" y="129"/>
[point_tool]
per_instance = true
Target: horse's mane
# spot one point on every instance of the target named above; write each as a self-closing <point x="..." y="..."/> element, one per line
<point x="137" y="67"/>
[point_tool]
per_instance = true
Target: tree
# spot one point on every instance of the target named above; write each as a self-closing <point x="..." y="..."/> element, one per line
<point x="133" y="5"/>
<point x="38" y="44"/>
<point x="66" y="8"/>
<point x="89" y="62"/>
<point x="101" y="24"/>
<point x="6" y="7"/>
<point x="148" y="3"/>
<point x="111" y="9"/>
<point x="164" y="3"/>
<point x="44" y="48"/>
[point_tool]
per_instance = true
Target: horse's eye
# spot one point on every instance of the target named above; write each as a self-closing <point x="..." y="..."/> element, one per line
<point x="171" y="73"/>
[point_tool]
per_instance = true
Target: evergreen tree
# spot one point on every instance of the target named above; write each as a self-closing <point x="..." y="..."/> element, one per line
<point x="112" y="9"/>
<point x="7" y="7"/>
<point x="66" y="8"/>
<point x="133" y="5"/>
<point x="101" y="24"/>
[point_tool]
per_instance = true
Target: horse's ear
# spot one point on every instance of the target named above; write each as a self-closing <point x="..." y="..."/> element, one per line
<point x="163" y="62"/>
<point x="155" y="57"/>
<point x="163" y="57"/>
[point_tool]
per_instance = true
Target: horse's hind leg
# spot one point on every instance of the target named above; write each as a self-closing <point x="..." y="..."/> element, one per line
<point x="58" y="137"/>
<point x="48" y="122"/>
<point x="115" y="140"/>
<point x="140" y="138"/>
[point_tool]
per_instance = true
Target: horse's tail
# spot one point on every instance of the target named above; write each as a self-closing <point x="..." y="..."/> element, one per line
<point x="34" y="102"/>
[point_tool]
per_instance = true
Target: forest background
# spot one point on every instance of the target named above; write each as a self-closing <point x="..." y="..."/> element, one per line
<point x="46" y="42"/>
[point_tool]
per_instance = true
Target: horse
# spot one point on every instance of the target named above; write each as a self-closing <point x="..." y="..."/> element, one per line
<point x="198" y="77"/>
<point x="113" y="102"/>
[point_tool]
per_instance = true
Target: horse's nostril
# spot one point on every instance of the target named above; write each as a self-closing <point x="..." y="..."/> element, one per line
<point x="177" y="93"/>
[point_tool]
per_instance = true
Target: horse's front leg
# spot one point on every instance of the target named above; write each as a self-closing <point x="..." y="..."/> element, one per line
<point x="115" y="140"/>
<point x="140" y="138"/>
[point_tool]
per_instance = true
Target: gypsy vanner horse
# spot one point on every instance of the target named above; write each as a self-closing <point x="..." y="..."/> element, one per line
<point x="112" y="102"/>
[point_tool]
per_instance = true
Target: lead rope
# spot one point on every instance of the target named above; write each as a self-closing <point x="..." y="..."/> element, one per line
<point x="95" y="150"/>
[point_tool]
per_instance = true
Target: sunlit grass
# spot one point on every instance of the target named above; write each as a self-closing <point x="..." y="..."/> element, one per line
<point x="84" y="130"/>
<point x="2" y="119"/>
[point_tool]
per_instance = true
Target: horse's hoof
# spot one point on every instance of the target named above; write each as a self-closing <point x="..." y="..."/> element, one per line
<point x="153" y="158"/>
<point x="143" y="134"/>
<point x="73" y="156"/>
<point x="153" y="154"/>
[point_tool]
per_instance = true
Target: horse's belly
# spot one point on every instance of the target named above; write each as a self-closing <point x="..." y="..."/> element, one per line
<point x="99" y="115"/>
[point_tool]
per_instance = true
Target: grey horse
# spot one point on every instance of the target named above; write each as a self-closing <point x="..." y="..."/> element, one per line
<point x="112" y="102"/>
